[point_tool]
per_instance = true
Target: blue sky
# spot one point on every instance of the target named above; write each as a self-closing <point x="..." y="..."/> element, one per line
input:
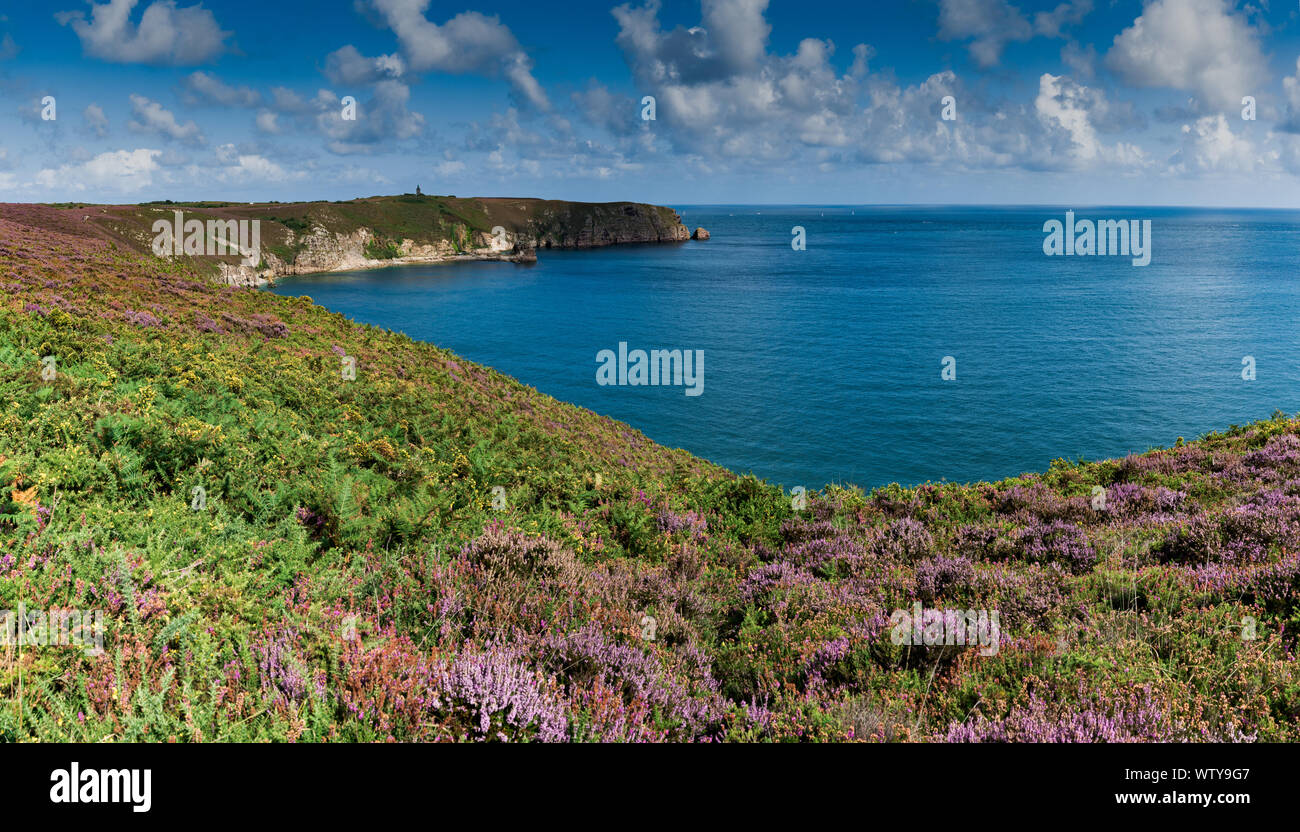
<point x="757" y="101"/>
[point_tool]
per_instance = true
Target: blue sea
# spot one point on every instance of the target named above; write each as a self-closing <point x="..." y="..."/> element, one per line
<point x="826" y="365"/>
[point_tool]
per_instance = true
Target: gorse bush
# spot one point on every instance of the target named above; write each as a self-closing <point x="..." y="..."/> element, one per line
<point x="433" y="551"/>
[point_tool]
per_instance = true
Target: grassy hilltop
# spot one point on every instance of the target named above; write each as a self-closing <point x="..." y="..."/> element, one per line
<point x="390" y="224"/>
<point x="434" y="551"/>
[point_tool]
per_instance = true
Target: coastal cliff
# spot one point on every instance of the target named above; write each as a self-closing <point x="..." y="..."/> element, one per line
<point x="308" y="237"/>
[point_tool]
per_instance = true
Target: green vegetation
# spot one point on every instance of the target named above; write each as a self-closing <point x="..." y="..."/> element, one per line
<point x="381" y="249"/>
<point x="432" y="550"/>
<point x="439" y="221"/>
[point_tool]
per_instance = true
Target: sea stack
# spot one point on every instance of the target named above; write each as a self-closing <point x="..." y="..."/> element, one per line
<point x="700" y="234"/>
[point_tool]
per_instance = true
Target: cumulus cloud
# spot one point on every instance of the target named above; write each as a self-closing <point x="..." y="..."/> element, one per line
<point x="1209" y="145"/>
<point x="347" y="66"/>
<point x="470" y="42"/>
<point x="235" y="166"/>
<point x="166" y="34"/>
<point x="383" y="118"/>
<point x="1074" y="109"/>
<point x="205" y="88"/>
<point x="990" y="25"/>
<point x="152" y="117"/>
<point x="729" y="99"/>
<point x="124" y="171"/>
<point x="1200" y="46"/>
<point x="720" y="86"/>
<point x="726" y="103"/>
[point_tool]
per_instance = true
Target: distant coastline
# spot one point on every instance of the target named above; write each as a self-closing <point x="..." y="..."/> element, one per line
<point x="372" y="232"/>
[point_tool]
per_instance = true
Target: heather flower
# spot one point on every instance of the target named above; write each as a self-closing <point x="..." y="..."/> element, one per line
<point x="491" y="695"/>
<point x="144" y="319"/>
<point x="285" y="676"/>
<point x="1133" y="717"/>
<point x="977" y="541"/>
<point x="505" y="553"/>
<point x="905" y="540"/>
<point x="1055" y="542"/>
<point x="588" y="657"/>
<point x="943" y="577"/>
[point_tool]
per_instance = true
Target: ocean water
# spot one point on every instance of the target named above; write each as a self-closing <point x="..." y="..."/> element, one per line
<point x="825" y="365"/>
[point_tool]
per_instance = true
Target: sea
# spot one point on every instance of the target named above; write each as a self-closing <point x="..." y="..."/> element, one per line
<point x="864" y="345"/>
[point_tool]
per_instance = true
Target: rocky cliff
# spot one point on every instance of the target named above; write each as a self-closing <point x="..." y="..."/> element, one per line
<point x="322" y="250"/>
<point x="554" y="224"/>
<point x="306" y="237"/>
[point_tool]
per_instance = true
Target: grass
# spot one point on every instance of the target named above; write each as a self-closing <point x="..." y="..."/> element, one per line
<point x="432" y="550"/>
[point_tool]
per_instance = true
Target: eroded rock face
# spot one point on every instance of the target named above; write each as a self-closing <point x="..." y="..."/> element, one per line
<point x="243" y="276"/>
<point x="547" y="225"/>
<point x="700" y="234"/>
<point x="324" y="251"/>
<point x="588" y="225"/>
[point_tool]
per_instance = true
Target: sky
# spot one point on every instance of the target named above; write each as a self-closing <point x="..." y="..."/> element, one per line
<point x="1082" y="102"/>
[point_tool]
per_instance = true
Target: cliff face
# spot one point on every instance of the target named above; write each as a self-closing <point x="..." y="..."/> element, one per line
<point x="485" y="229"/>
<point x="552" y="224"/>
<point x="307" y="237"/>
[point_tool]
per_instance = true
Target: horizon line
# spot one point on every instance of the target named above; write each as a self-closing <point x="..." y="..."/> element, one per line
<point x="854" y="205"/>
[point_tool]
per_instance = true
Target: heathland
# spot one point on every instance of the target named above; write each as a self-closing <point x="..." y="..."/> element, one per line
<point x="424" y="549"/>
<point x="306" y="237"/>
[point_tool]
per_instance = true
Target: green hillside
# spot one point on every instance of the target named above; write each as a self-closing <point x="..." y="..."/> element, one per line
<point x="434" y="551"/>
<point x="463" y="223"/>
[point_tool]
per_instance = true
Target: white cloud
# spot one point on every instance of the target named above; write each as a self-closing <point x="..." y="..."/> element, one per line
<point x="347" y="66"/>
<point x="467" y="43"/>
<point x="236" y="167"/>
<point x="710" y="85"/>
<point x="1072" y="108"/>
<point x="991" y="24"/>
<point x="124" y="171"/>
<point x="205" y="88"/>
<point x="152" y="117"/>
<point x="383" y="118"/>
<point x="725" y="105"/>
<point x="167" y="34"/>
<point x="1209" y="145"/>
<point x="1201" y="46"/>
<point x="738" y="30"/>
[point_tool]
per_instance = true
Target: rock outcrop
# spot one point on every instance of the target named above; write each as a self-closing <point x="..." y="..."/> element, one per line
<point x="308" y="237"/>
<point x="700" y="234"/>
<point x="516" y="229"/>
<point x="554" y="224"/>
